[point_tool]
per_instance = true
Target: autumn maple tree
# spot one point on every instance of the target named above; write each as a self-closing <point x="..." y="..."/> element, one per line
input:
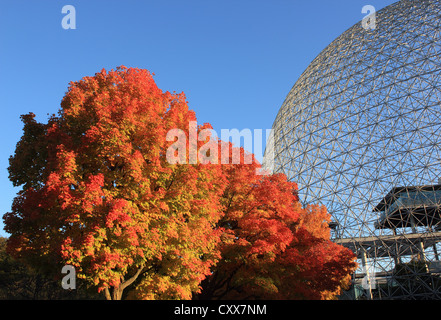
<point x="99" y="193"/>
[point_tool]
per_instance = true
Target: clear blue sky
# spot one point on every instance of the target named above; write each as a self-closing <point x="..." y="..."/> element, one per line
<point x="236" y="60"/>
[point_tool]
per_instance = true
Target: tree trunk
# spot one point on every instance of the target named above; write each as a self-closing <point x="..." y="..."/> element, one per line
<point x="118" y="291"/>
<point x="107" y="294"/>
<point x="114" y="294"/>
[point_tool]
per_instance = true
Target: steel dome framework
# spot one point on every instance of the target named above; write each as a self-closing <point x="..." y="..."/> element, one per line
<point x="364" y="122"/>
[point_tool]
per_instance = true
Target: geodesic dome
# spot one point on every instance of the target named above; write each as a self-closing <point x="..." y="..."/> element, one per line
<point x="365" y="118"/>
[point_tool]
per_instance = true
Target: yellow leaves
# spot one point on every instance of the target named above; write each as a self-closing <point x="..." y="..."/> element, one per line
<point x="156" y="286"/>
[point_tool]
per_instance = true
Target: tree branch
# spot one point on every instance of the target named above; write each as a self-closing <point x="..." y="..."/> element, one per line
<point x="128" y="282"/>
<point x="107" y="294"/>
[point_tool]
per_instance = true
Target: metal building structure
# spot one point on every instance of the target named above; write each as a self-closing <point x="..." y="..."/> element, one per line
<point x="360" y="133"/>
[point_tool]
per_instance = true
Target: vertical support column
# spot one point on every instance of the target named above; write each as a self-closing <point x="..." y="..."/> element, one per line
<point x="421" y="254"/>
<point x="397" y="257"/>
<point x="435" y="249"/>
